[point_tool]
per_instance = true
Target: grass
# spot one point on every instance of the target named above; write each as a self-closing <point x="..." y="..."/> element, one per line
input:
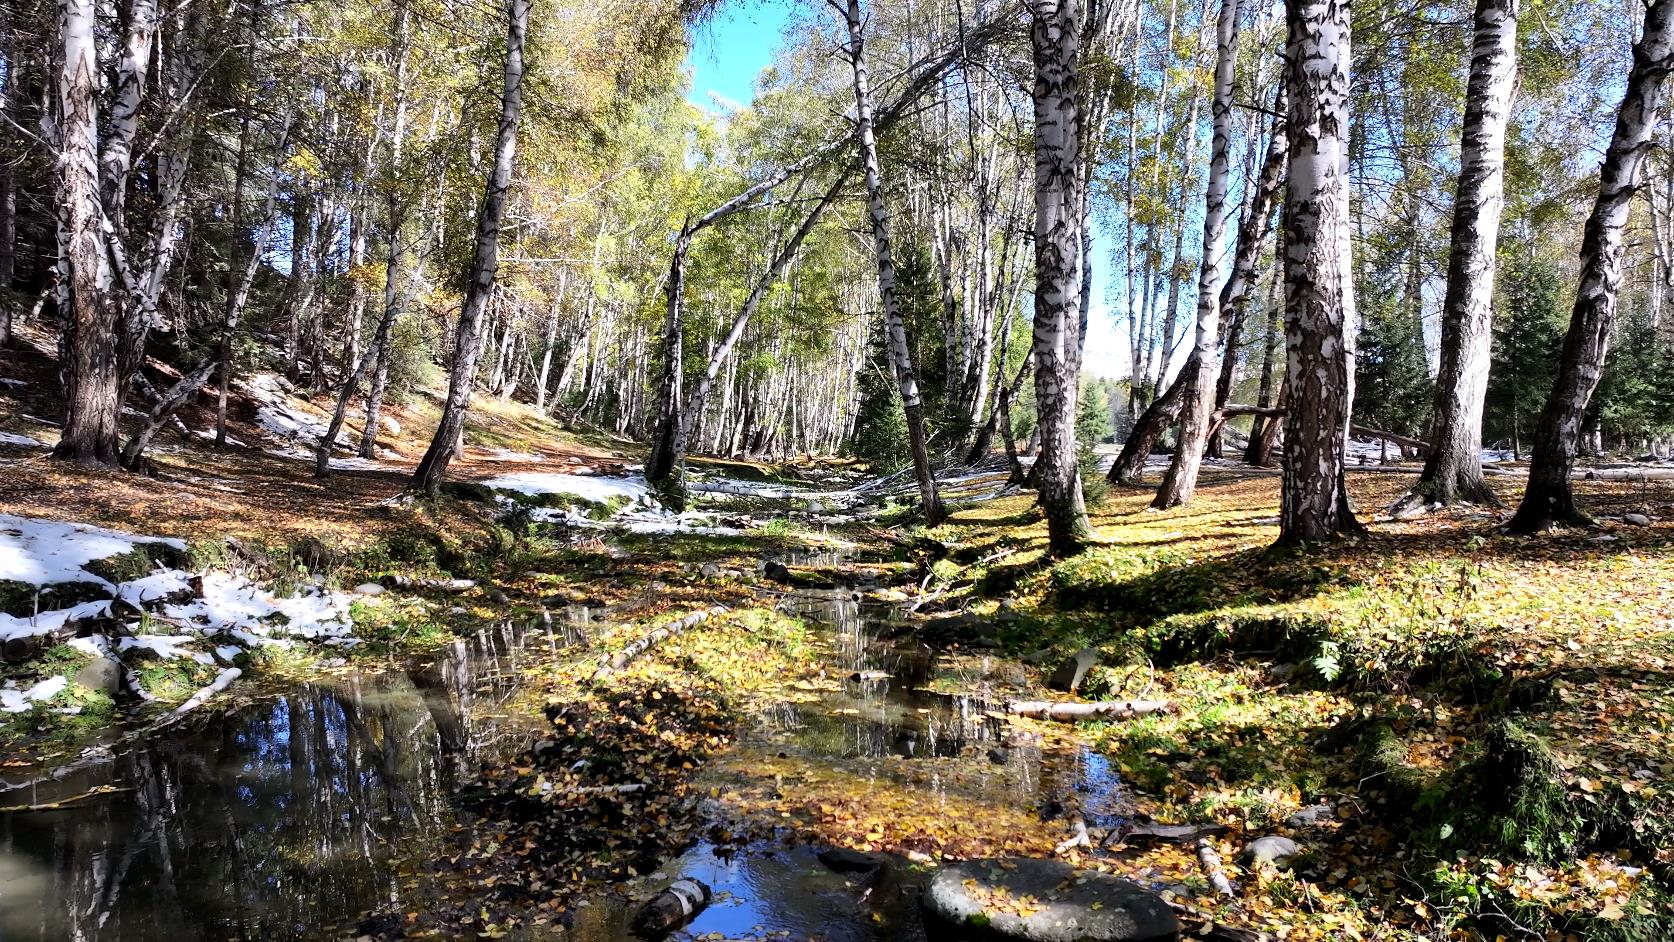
<point x="1490" y="714"/>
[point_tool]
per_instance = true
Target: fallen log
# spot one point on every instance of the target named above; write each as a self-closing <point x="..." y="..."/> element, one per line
<point x="1072" y="712"/>
<point x="1078" y="835"/>
<point x="1366" y="431"/>
<point x="398" y="581"/>
<point x="670" y="909"/>
<point x="221" y="682"/>
<point x="1212" y="869"/>
<point x="651" y="639"/>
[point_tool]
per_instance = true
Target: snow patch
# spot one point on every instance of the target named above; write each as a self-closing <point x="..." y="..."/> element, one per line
<point x="167" y="647"/>
<point x="42" y="552"/>
<point x="234" y="603"/>
<point x="597" y="488"/>
<point x="43" y="622"/>
<point x="16" y="701"/>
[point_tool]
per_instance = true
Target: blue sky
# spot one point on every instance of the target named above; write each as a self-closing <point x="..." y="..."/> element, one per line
<point x="740" y="40"/>
<point x="731" y="49"/>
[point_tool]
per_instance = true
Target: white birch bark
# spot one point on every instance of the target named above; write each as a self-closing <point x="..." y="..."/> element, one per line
<point x="1453" y="468"/>
<point x="485" y="261"/>
<point x="900" y="350"/>
<point x="1319" y="284"/>
<point x="1548" y="499"/>
<point x="1204" y="364"/>
<point x="1055" y="41"/>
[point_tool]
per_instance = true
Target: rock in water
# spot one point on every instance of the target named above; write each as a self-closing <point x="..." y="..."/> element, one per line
<point x="1072" y="672"/>
<point x="670" y="909"/>
<point x="778" y="572"/>
<point x="101" y="674"/>
<point x="1271" y="849"/>
<point x="980" y="899"/>
<point x="844" y="860"/>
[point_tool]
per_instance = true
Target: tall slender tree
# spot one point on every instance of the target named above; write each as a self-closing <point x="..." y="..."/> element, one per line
<point x="898" y="344"/>
<point x="1453" y="467"/>
<point x="86" y="282"/>
<point x="1549" y="499"/>
<point x="1055" y="42"/>
<point x="1319" y="280"/>
<point x="485" y="262"/>
<point x="1204" y="366"/>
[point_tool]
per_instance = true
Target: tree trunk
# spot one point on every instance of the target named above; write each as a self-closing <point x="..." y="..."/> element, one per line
<point x="699" y="397"/>
<point x="898" y="343"/>
<point x="88" y="354"/>
<point x="166" y="406"/>
<point x="1055" y="41"/>
<point x="485" y="262"/>
<point x="1548" y="499"/>
<point x="1253" y="453"/>
<point x="1319" y="280"/>
<point x="1204" y="367"/>
<point x="1453" y="471"/>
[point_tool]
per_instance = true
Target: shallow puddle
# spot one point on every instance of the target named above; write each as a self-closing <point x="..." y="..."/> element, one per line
<point x="268" y="821"/>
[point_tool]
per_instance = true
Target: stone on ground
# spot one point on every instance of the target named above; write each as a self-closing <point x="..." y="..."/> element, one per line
<point x="1272" y="849"/>
<point x="1072" y="672"/>
<point x="1043" y="901"/>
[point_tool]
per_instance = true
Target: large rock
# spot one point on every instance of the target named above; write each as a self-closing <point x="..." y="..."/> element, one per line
<point x="1042" y="901"/>
<point x="1272" y="850"/>
<point x="101" y="674"/>
<point x="1072" y="672"/>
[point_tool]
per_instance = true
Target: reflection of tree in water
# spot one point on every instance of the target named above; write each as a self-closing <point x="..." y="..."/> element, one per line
<point x="270" y="822"/>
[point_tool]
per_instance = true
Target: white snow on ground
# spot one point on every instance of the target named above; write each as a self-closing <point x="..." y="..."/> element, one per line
<point x="167" y="647"/>
<point x="597" y="488"/>
<point x="501" y="454"/>
<point x="16" y="701"/>
<point x="25" y="441"/>
<point x="12" y="626"/>
<point x="41" y="552"/>
<point x="235" y="603"/>
<point x="154" y="587"/>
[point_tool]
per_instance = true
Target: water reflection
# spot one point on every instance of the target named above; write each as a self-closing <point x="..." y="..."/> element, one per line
<point x="273" y="821"/>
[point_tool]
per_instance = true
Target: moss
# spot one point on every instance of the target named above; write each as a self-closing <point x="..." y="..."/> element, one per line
<point x="1516" y="785"/>
<point x="472" y="491"/>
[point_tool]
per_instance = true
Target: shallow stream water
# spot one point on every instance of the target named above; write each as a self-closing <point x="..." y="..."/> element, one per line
<point x="293" y="813"/>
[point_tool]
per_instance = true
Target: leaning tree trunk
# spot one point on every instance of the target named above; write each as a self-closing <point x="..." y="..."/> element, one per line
<point x="485" y="263"/>
<point x="1548" y="499"/>
<point x="92" y="394"/>
<point x="898" y="344"/>
<point x="1055" y="40"/>
<point x="1204" y="366"/>
<point x="1163" y="411"/>
<point x="1453" y="470"/>
<point x="1319" y="280"/>
<point x="698" y="401"/>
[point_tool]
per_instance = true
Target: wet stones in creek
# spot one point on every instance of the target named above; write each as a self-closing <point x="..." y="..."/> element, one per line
<point x="1042" y="901"/>
<point x="1072" y="672"/>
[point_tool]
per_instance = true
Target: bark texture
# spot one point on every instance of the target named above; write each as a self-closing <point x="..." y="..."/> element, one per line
<point x="88" y="347"/>
<point x="1453" y="470"/>
<point x="1203" y="368"/>
<point x="895" y="325"/>
<point x="1055" y="40"/>
<point x="1319" y="282"/>
<point x="1549" y="499"/>
<point x="485" y="261"/>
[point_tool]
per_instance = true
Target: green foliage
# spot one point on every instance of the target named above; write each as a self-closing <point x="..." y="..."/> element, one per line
<point x="1527" y="337"/>
<point x="880" y="428"/>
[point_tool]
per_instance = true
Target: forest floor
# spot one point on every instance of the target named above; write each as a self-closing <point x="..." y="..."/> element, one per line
<point x="1468" y="735"/>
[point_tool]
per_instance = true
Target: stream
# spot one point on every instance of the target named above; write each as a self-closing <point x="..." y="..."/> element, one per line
<point x="282" y="816"/>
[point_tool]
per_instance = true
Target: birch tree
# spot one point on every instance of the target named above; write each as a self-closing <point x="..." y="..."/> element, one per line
<point x="1319" y="283"/>
<point x="898" y="344"/>
<point x="88" y="354"/>
<point x="1453" y="468"/>
<point x="485" y="261"/>
<point x="1055" y="43"/>
<point x="1204" y="365"/>
<point x="1549" y="500"/>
